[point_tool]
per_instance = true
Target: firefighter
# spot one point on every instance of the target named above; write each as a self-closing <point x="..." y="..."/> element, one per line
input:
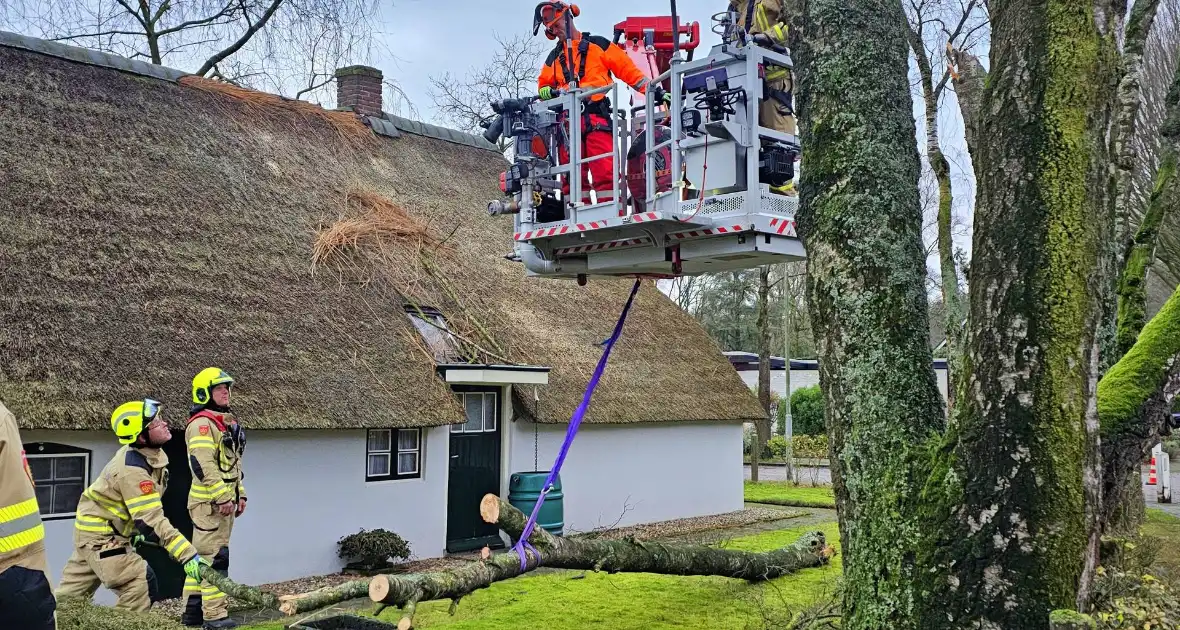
<point x="595" y="61"/>
<point x="122" y="510"/>
<point x="766" y="22"/>
<point x="26" y="599"/>
<point x="215" y="445"/>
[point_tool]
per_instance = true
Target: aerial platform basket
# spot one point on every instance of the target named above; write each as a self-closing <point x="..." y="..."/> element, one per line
<point x="655" y="226"/>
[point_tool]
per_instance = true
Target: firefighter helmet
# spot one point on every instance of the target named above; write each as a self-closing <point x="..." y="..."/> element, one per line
<point x="547" y="13"/>
<point x="130" y="418"/>
<point x="206" y="380"/>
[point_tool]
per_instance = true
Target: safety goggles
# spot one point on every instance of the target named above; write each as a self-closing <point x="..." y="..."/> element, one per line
<point x="151" y="409"/>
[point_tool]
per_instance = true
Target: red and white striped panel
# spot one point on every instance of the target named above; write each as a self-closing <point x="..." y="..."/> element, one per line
<point x="733" y="229"/>
<point x="597" y="247"/>
<point x="646" y="216"/>
<point x="785" y="227"/>
<point x="558" y="231"/>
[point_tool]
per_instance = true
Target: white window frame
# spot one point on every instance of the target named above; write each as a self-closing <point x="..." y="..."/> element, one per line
<point x="85" y="456"/>
<point x="488" y="405"/>
<point x="393" y="454"/>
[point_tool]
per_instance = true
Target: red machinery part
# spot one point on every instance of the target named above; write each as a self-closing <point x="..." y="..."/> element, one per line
<point x="633" y="28"/>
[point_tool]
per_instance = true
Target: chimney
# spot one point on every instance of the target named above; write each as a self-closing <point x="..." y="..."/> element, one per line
<point x="358" y="88"/>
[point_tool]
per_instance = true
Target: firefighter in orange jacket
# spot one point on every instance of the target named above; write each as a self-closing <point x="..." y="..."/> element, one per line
<point x="595" y="61"/>
<point x="215" y="445"/>
<point x="26" y="599"/>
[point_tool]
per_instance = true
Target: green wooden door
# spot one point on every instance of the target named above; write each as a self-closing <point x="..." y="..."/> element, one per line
<point x="474" y="469"/>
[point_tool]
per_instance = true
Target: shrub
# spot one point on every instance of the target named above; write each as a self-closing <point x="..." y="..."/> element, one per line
<point x="807" y="411"/>
<point x="373" y="549"/>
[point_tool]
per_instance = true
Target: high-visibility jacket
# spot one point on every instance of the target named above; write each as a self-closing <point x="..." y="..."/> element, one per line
<point x="215" y="458"/>
<point x="125" y="500"/>
<point x="594" y="60"/>
<point x="22" y="535"/>
<point x="768" y="18"/>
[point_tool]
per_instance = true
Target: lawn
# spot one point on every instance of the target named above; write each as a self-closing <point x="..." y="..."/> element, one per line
<point x="565" y="600"/>
<point x="785" y="493"/>
<point x="1162" y="525"/>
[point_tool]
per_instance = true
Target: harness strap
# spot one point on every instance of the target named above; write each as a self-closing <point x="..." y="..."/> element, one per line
<point x="205" y="413"/>
<point x="575" y="421"/>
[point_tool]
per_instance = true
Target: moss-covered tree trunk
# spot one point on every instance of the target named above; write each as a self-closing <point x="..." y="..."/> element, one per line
<point x="861" y="224"/>
<point x="763" y="325"/>
<point x="1023" y="487"/>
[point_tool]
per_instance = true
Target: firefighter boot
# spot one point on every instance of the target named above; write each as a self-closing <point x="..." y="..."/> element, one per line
<point x="192" y="610"/>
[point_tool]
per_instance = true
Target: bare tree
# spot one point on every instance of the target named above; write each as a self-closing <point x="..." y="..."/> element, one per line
<point x="936" y="26"/>
<point x="290" y="47"/>
<point x="510" y="73"/>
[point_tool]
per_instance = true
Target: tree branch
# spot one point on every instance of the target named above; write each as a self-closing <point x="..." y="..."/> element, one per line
<point x="241" y="41"/>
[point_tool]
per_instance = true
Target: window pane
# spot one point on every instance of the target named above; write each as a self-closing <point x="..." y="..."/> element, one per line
<point x="65" y="497"/>
<point x="489" y="412"/>
<point x="42" y="468"/>
<point x="379" y="440"/>
<point x="407" y="440"/>
<point x="44" y="498"/>
<point x="378" y="464"/>
<point x="407" y="463"/>
<point x="68" y="467"/>
<point x="473" y="404"/>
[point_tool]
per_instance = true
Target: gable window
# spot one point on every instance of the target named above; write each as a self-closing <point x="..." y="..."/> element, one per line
<point x="393" y="454"/>
<point x="60" y="474"/>
<point x="432" y="326"/>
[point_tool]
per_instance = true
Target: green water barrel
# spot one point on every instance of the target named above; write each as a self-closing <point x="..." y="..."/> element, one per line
<point x="523" y="490"/>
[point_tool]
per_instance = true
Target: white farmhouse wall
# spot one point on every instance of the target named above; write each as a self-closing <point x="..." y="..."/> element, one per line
<point x="307" y="489"/>
<point x="639" y="472"/>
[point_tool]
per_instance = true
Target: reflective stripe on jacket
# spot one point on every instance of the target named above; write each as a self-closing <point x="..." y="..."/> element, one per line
<point x="22" y="534"/>
<point x="216" y="466"/>
<point x="125" y="500"/>
<point x="769" y="18"/>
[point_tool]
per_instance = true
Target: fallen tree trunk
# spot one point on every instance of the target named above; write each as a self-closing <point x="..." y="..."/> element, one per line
<point x="628" y="555"/>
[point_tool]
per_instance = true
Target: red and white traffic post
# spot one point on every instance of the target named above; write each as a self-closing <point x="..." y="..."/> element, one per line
<point x="1160" y="474"/>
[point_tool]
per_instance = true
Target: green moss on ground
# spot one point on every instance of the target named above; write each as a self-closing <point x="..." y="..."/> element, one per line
<point x="565" y="600"/>
<point x="785" y="493"/>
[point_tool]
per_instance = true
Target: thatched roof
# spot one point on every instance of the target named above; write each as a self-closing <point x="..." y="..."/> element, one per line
<point x="150" y="228"/>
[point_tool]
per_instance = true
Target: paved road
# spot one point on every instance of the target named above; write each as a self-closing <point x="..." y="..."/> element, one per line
<point x="1150" y="492"/>
<point x="806" y="475"/>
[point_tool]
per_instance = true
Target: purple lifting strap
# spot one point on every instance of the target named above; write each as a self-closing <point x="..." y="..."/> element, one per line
<point x="575" y="422"/>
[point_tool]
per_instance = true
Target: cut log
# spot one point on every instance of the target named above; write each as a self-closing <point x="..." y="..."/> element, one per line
<point x="262" y="599"/>
<point x="628" y="555"/>
<point x="313" y="600"/>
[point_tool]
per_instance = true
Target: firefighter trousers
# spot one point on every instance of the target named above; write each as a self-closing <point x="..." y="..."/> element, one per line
<point x="595" y="141"/>
<point x="773" y="113"/>
<point x="211" y="540"/>
<point x="26" y="600"/>
<point x="113" y="564"/>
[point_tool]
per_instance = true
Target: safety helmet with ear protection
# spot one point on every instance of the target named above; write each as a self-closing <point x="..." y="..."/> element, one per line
<point x="205" y="381"/>
<point x="547" y="13"/>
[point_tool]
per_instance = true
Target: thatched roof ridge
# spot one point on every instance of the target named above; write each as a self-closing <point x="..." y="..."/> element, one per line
<point x="149" y="229"/>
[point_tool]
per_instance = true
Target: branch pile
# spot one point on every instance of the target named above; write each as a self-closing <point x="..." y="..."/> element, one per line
<point x="628" y="555"/>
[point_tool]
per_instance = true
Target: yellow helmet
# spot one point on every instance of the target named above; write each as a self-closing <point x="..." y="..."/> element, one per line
<point x="130" y="418"/>
<point x="205" y="381"/>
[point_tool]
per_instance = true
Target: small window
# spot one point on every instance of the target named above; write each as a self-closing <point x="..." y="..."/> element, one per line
<point x="60" y="475"/>
<point x="480" y="408"/>
<point x="393" y="454"/>
<point x="432" y="326"/>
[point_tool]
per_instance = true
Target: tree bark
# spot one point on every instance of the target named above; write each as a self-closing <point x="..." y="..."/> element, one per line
<point x="305" y="602"/>
<point x="763" y="326"/>
<point x="969" y="81"/>
<point x="249" y="594"/>
<point x="1017" y="495"/>
<point x="628" y="555"/>
<point x="861" y="222"/>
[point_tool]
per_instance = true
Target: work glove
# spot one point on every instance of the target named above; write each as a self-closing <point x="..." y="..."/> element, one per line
<point x="661" y="95"/>
<point x="192" y="568"/>
<point x="546" y="93"/>
<point x="137" y="540"/>
<point x="764" y="40"/>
